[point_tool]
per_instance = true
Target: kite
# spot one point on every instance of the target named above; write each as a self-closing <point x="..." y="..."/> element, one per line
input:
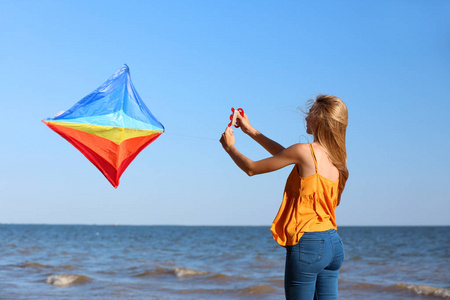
<point x="110" y="126"/>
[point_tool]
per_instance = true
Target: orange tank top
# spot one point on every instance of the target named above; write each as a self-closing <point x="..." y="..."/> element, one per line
<point x="308" y="205"/>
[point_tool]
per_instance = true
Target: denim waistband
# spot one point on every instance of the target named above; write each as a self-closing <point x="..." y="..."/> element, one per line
<point x="329" y="231"/>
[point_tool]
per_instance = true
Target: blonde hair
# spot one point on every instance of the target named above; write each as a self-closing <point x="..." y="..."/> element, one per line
<point x="330" y="118"/>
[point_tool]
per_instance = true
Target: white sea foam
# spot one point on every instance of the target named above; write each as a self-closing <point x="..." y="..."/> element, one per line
<point x="425" y="290"/>
<point x="181" y="272"/>
<point x="67" y="279"/>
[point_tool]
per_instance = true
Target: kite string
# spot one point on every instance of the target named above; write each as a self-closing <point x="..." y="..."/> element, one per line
<point x="192" y="136"/>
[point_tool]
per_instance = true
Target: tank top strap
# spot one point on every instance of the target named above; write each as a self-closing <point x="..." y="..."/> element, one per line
<point x="313" y="155"/>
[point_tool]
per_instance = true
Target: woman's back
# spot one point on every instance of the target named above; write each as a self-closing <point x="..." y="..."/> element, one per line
<point x="325" y="167"/>
<point x="309" y="201"/>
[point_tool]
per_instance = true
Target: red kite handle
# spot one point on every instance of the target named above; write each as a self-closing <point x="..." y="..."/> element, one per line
<point x="233" y="117"/>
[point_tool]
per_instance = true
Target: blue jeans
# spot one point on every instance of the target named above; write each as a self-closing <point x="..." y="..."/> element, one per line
<point x="312" y="266"/>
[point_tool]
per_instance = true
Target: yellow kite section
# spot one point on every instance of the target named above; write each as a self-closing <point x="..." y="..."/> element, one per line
<point x="114" y="134"/>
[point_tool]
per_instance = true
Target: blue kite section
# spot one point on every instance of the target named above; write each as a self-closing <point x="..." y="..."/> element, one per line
<point x="116" y="119"/>
<point x="115" y="103"/>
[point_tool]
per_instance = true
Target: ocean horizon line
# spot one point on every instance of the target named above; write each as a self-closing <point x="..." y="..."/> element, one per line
<point x="200" y="225"/>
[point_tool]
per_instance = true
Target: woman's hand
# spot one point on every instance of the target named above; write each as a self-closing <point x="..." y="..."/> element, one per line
<point x="244" y="123"/>
<point x="227" y="139"/>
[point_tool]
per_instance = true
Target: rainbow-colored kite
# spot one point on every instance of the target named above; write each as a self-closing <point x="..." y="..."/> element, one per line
<point x="110" y="126"/>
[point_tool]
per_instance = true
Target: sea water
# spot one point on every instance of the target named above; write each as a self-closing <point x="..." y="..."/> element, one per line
<point x="183" y="262"/>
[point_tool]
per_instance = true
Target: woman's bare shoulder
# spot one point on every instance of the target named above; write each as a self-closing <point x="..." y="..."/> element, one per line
<point x="301" y="147"/>
<point x="302" y="150"/>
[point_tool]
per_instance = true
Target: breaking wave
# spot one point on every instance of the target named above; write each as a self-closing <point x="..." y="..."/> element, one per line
<point x="425" y="290"/>
<point x="181" y="272"/>
<point x="178" y="272"/>
<point x="63" y="280"/>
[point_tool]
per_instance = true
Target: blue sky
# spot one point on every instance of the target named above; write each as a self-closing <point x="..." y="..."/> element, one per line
<point x="191" y="61"/>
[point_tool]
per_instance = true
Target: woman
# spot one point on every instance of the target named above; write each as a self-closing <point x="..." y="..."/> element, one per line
<point x="305" y="223"/>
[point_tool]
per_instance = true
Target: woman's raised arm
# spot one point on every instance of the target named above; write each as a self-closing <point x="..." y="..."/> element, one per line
<point x="292" y="155"/>
<point x="271" y="146"/>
